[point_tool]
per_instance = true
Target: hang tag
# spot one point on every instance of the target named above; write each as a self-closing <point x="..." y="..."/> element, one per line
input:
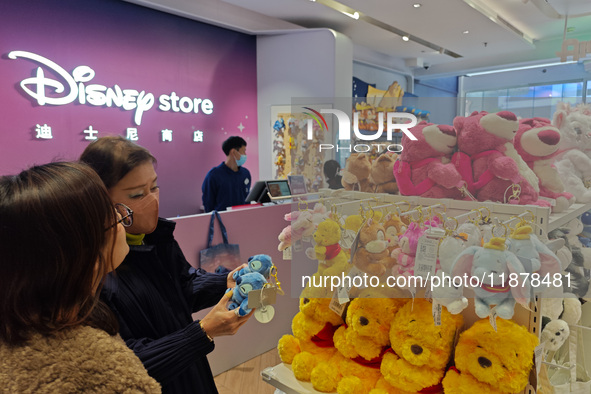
<point x="264" y="314"/>
<point x="337" y="305"/>
<point x="492" y="317"/>
<point x="287" y="254"/>
<point x="347" y="239"/>
<point x="343" y="291"/>
<point x="426" y="259"/>
<point x="298" y="246"/>
<point x="436" y="311"/>
<point x="538" y="353"/>
<point x="261" y="298"/>
<point x="428" y="293"/>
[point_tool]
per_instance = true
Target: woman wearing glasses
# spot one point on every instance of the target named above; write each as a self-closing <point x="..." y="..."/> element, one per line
<point x="155" y="290"/>
<point x="59" y="237"/>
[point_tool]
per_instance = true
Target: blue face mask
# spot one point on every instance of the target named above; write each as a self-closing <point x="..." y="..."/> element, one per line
<point x="240" y="162"/>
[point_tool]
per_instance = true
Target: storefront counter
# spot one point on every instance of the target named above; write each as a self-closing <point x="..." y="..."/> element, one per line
<point x="255" y="230"/>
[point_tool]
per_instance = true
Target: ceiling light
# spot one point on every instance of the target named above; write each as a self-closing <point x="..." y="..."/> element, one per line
<point x="354" y="15"/>
<point x="417" y="5"/>
<point x="520" y="68"/>
<point x="405" y="38"/>
<point x="466" y="32"/>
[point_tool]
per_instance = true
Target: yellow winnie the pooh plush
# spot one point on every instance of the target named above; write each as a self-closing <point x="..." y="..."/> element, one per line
<point x="421" y="350"/>
<point x="489" y="361"/>
<point x="313" y="328"/>
<point x="332" y="259"/>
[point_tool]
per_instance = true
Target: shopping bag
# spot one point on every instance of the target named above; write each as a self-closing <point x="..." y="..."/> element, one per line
<point x="224" y="255"/>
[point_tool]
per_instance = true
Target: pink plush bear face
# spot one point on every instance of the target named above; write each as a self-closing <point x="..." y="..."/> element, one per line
<point x="536" y="139"/>
<point x="482" y="131"/>
<point x="432" y="141"/>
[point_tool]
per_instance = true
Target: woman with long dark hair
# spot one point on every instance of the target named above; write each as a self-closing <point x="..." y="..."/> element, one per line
<point x="59" y="237"/>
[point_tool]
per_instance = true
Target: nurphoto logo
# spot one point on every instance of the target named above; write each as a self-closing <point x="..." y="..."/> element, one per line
<point x="344" y="130"/>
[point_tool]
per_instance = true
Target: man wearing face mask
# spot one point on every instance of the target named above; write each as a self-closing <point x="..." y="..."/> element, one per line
<point x="229" y="183"/>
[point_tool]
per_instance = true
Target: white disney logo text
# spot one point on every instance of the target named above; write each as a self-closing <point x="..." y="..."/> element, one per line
<point x="73" y="87"/>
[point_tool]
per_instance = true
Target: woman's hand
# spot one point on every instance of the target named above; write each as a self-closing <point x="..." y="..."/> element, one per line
<point x="231" y="281"/>
<point x="220" y="321"/>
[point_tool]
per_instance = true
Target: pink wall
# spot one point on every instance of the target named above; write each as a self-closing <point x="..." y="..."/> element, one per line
<point x="135" y="48"/>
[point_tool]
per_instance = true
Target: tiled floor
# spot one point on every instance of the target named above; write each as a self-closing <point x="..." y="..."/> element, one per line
<point x="246" y="378"/>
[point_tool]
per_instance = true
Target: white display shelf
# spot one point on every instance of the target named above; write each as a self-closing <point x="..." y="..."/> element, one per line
<point x="281" y="376"/>
<point x="557" y="220"/>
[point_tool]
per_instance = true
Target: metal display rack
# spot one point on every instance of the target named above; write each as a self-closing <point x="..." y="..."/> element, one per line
<point x="349" y="202"/>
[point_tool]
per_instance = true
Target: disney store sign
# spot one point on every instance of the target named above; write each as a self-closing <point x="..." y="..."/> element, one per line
<point x="76" y="87"/>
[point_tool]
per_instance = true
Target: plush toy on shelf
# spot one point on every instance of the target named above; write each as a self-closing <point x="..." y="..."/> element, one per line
<point x="575" y="259"/>
<point x="491" y="361"/>
<point x="488" y="161"/>
<point x="406" y="254"/>
<point x="332" y="259"/>
<point x="573" y="165"/>
<point x="423" y="167"/>
<point x="382" y="174"/>
<point x="557" y="314"/>
<point x="244" y="285"/>
<point x="371" y="253"/>
<point x="420" y="349"/>
<point x="361" y="343"/>
<point x="261" y="263"/>
<point x="313" y="328"/>
<point x="537" y="143"/>
<point x="535" y="257"/>
<point x="493" y="264"/>
<point x="356" y="174"/>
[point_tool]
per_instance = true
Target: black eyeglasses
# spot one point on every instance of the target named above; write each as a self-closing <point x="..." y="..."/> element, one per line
<point x="126" y="214"/>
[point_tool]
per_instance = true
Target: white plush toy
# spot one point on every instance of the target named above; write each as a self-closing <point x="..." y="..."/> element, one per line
<point x="557" y="315"/>
<point x="572" y="163"/>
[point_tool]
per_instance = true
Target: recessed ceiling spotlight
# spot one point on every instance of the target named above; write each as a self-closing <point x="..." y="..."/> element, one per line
<point x="405" y="38"/>
<point x="417" y="5"/>
<point x="466" y="32"/>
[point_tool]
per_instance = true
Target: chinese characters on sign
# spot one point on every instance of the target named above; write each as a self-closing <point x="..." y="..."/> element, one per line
<point x="166" y="135"/>
<point x="90" y="134"/>
<point x="43" y="132"/>
<point x="131" y="133"/>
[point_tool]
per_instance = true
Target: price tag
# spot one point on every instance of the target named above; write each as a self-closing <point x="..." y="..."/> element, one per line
<point x="287" y="254"/>
<point x="261" y="298"/>
<point x="538" y="353"/>
<point x="492" y="317"/>
<point x="343" y="291"/>
<point x="426" y="259"/>
<point x="348" y="238"/>
<point x="298" y="246"/>
<point x="336" y="305"/>
<point x="436" y="310"/>
<point x="264" y="314"/>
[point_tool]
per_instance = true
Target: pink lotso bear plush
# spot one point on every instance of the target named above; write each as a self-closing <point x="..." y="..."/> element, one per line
<point x="488" y="161"/>
<point x="423" y="168"/>
<point x="537" y="142"/>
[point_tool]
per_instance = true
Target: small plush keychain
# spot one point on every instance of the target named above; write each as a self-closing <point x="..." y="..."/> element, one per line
<point x="244" y="285"/>
<point x="495" y="274"/>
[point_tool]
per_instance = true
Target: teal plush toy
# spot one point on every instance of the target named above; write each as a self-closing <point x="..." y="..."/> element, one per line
<point x="260" y="263"/>
<point x="244" y="285"/>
